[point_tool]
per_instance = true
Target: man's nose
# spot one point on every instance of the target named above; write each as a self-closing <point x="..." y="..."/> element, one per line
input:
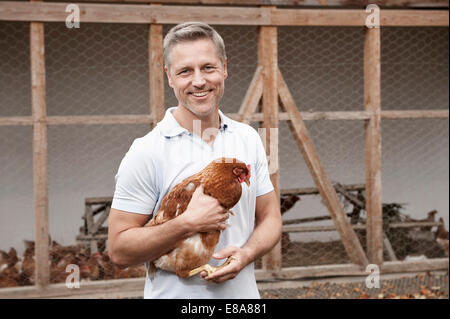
<point x="198" y="80"/>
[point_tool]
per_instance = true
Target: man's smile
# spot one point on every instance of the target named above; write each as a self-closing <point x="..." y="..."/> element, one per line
<point x="200" y="94"/>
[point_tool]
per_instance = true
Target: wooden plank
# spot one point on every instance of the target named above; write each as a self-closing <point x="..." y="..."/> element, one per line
<point x="16" y="120"/>
<point x="349" y="17"/>
<point x="98" y="200"/>
<point x="349" y="239"/>
<point x="109" y="288"/>
<point x="103" y="217"/>
<point x="127" y="13"/>
<point x="414" y="18"/>
<point x="309" y="229"/>
<point x="296" y="3"/>
<point x="415" y="114"/>
<point x="388" y="246"/>
<point x="156" y="72"/>
<point x="99" y="119"/>
<point x="389" y="267"/>
<point x="268" y="59"/>
<point x="315" y="190"/>
<point x="372" y="103"/>
<point x="252" y="97"/>
<point x="255" y="117"/>
<point x="306" y="229"/>
<point x="40" y="173"/>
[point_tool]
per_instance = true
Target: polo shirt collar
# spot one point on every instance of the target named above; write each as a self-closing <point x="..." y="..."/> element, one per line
<point x="170" y="127"/>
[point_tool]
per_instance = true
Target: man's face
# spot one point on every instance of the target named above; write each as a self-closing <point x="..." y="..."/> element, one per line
<point x="197" y="76"/>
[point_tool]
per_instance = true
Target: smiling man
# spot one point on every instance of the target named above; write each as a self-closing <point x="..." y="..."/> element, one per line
<point x="190" y="136"/>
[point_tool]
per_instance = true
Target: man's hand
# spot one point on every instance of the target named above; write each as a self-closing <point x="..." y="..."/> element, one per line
<point x="204" y="213"/>
<point x="232" y="269"/>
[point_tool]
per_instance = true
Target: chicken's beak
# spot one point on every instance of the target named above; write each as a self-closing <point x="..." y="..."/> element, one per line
<point x="247" y="181"/>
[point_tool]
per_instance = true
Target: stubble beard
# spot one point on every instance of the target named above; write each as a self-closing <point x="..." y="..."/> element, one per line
<point x="214" y="105"/>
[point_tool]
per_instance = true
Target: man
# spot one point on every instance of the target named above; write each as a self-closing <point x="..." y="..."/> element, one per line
<point x="189" y="137"/>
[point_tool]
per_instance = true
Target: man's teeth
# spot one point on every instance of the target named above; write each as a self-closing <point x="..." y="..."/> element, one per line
<point x="199" y="94"/>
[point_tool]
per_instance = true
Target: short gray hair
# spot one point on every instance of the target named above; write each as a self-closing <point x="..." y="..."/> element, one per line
<point x="191" y="31"/>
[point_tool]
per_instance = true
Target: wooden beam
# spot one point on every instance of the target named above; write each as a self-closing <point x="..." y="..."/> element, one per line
<point x="255" y="117"/>
<point x="295" y="3"/>
<point x="40" y="174"/>
<point x="268" y="60"/>
<point x="314" y="190"/>
<point x="348" y="17"/>
<point x="16" y="120"/>
<point x="349" y="239"/>
<point x="156" y="72"/>
<point x="416" y="114"/>
<point x="306" y="229"/>
<point x="372" y="103"/>
<point x="389" y="267"/>
<point x="132" y="13"/>
<point x="252" y="97"/>
<point x="100" y="119"/>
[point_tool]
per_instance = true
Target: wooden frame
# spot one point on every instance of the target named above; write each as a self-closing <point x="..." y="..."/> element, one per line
<point x="267" y="85"/>
<point x="291" y="3"/>
<point x="127" y="13"/>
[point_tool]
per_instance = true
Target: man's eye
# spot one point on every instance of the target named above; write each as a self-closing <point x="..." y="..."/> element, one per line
<point x="209" y="68"/>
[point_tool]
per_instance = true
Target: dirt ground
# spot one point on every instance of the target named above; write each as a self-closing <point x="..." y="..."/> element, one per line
<point x="420" y="286"/>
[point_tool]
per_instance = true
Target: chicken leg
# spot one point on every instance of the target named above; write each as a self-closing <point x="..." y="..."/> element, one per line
<point x="210" y="269"/>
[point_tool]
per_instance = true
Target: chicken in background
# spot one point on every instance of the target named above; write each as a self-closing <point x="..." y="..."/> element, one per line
<point x="441" y="236"/>
<point x="28" y="262"/>
<point x="286" y="203"/>
<point x="431" y="217"/>
<point x="222" y="180"/>
<point x="20" y="270"/>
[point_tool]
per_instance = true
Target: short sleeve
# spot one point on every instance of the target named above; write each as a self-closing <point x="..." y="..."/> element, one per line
<point x="136" y="182"/>
<point x="264" y="184"/>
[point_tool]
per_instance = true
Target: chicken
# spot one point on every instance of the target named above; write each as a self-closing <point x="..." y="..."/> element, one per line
<point x="287" y="202"/>
<point x="430" y="218"/>
<point x="28" y="262"/>
<point x="8" y="259"/>
<point x="441" y="236"/>
<point x="222" y="180"/>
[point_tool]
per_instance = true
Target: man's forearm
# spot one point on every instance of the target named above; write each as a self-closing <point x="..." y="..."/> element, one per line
<point x="265" y="236"/>
<point x="142" y="244"/>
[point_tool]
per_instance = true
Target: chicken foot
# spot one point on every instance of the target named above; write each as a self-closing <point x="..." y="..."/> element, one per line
<point x="210" y="269"/>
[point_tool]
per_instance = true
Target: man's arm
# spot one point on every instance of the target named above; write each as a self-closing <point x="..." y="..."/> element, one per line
<point x="130" y="243"/>
<point x="266" y="234"/>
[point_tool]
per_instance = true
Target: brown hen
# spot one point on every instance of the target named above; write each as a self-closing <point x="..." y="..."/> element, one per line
<point x="222" y="180"/>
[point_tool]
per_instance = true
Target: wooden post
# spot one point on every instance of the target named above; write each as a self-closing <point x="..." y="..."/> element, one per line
<point x="252" y="97"/>
<point x="268" y="59"/>
<point x="40" y="177"/>
<point x="156" y="72"/>
<point x="372" y="103"/>
<point x="350" y="241"/>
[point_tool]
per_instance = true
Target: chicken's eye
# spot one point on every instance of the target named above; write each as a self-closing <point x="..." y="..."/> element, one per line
<point x="237" y="171"/>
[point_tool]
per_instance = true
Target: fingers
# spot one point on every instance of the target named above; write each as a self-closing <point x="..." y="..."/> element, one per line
<point x="198" y="190"/>
<point x="226" y="273"/>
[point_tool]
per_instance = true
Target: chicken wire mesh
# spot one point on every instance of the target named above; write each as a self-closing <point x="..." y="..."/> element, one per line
<point x="103" y="69"/>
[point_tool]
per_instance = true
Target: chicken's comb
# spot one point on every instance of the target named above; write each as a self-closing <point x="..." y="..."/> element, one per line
<point x="249" y="171"/>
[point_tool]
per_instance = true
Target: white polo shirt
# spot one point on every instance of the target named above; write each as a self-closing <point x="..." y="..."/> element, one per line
<point x="164" y="157"/>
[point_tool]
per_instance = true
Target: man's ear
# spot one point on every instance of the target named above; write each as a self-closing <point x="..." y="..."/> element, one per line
<point x="225" y="70"/>
<point x="168" y="76"/>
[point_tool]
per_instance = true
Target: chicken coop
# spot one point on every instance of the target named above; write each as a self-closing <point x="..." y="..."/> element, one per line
<point x="353" y="96"/>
